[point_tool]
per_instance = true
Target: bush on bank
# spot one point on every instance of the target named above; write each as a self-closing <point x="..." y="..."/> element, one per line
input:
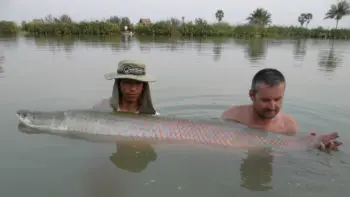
<point x="64" y="29"/>
<point x="8" y="27"/>
<point x="239" y="31"/>
<point x="199" y="28"/>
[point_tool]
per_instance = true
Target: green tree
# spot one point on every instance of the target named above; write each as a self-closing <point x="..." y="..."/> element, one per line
<point x="219" y="15"/>
<point x="200" y="21"/>
<point x="260" y="17"/>
<point x="114" y="19"/>
<point x="338" y="11"/>
<point x="308" y="17"/>
<point x="49" y="19"/>
<point x="301" y="19"/>
<point x="65" y="19"/>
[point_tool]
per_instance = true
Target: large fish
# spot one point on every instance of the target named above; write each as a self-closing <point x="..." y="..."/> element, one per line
<point x="117" y="127"/>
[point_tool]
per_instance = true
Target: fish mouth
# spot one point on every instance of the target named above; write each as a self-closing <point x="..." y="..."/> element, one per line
<point x="23" y="117"/>
<point x="28" y="130"/>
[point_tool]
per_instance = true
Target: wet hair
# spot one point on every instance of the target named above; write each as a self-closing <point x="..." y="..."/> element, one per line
<point x="269" y="76"/>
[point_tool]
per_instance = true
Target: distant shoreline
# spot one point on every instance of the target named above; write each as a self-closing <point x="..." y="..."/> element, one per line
<point x="259" y="25"/>
<point x="210" y="31"/>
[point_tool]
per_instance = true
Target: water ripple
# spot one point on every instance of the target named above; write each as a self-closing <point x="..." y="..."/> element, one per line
<point x="199" y="79"/>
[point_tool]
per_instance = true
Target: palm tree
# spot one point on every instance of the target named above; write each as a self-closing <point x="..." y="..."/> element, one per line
<point x="259" y="17"/>
<point x="302" y="19"/>
<point x="308" y="17"/>
<point x="219" y="15"/>
<point x="305" y="18"/>
<point x="338" y="11"/>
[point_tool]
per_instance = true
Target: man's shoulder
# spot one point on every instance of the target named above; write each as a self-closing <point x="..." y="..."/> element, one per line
<point x="234" y="110"/>
<point x="289" y="123"/>
<point x="236" y="113"/>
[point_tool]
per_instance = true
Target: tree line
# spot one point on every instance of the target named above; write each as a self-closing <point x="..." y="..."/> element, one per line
<point x="259" y="24"/>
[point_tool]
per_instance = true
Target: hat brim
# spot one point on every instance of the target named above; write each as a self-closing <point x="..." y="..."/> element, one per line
<point x="143" y="78"/>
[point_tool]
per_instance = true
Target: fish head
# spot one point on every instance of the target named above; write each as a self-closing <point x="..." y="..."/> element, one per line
<point x="30" y="122"/>
<point x="25" y="117"/>
<point x="33" y="118"/>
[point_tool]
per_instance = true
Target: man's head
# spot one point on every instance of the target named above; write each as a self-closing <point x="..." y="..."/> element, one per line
<point x="267" y="91"/>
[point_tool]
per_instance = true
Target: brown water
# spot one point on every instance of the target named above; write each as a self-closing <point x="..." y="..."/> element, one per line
<point x="197" y="79"/>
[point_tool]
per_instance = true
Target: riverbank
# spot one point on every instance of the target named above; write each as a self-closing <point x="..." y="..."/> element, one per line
<point x="173" y="30"/>
<point x="259" y="25"/>
<point x="242" y="31"/>
<point x="199" y="28"/>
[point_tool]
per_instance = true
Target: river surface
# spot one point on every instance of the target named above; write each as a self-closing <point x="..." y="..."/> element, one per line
<point x="195" y="79"/>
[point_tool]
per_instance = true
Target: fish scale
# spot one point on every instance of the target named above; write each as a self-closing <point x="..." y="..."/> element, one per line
<point x="186" y="130"/>
<point x="117" y="126"/>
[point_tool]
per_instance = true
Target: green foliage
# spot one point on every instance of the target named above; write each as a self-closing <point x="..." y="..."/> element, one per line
<point x="8" y="27"/>
<point x="305" y="18"/>
<point x="258" y="25"/>
<point x="81" y="28"/>
<point x="260" y="17"/>
<point x="240" y="31"/>
<point x="338" y="11"/>
<point x="64" y="25"/>
<point x="219" y="15"/>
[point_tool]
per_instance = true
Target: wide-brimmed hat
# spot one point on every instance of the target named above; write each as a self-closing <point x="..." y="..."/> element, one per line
<point x="130" y="69"/>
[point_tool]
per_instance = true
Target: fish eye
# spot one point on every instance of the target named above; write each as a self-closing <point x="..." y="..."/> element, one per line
<point x="22" y="114"/>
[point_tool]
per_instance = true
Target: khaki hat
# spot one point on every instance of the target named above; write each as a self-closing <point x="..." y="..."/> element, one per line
<point x="130" y="69"/>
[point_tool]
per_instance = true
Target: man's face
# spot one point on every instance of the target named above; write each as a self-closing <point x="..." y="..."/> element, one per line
<point x="131" y="89"/>
<point x="267" y="101"/>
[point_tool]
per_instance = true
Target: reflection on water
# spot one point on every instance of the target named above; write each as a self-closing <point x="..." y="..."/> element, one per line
<point x="145" y="43"/>
<point x="133" y="158"/>
<point x="68" y="43"/>
<point x="105" y="180"/>
<point x="254" y="50"/>
<point x="217" y="49"/>
<point x="10" y="41"/>
<point x="198" y="46"/>
<point x="54" y="45"/>
<point x="256" y="170"/>
<point x="329" y="59"/>
<point x="171" y="44"/>
<point x="2" y="61"/>
<point x="5" y="42"/>
<point x="299" y="51"/>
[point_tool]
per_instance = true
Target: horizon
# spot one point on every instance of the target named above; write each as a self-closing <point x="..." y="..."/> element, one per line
<point x="283" y="13"/>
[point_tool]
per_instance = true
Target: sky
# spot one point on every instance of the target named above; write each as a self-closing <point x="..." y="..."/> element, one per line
<point x="284" y="12"/>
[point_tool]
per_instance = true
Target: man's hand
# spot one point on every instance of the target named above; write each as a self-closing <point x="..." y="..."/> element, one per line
<point x="327" y="142"/>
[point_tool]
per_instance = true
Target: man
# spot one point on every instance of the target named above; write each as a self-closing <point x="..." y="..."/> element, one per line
<point x="131" y="90"/>
<point x="267" y="92"/>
